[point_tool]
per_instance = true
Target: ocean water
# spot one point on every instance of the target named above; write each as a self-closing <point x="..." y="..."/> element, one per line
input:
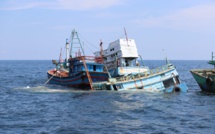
<point x="27" y="105"/>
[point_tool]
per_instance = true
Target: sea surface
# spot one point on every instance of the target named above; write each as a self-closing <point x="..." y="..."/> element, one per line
<point x="28" y="106"/>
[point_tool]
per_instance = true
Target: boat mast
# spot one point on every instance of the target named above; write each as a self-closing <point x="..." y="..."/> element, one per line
<point x="67" y="52"/>
<point x="212" y="59"/>
<point x="75" y="41"/>
<point x="60" y="57"/>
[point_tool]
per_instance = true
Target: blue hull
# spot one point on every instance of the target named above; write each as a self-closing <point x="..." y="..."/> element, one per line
<point x="79" y="80"/>
<point x="163" y="79"/>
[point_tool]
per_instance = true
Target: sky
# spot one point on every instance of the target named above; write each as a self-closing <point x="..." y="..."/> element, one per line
<point x="38" y="29"/>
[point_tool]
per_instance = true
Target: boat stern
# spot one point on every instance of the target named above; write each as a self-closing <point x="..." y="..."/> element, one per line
<point x="205" y="78"/>
<point x="182" y="87"/>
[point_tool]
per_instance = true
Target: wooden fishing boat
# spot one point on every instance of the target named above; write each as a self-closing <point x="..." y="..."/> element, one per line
<point x="77" y="70"/>
<point x="121" y="60"/>
<point x="205" y="77"/>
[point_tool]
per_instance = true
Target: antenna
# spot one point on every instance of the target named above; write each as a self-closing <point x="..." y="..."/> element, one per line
<point x="141" y="60"/>
<point x="126" y="36"/>
<point x="167" y="61"/>
<point x="101" y="48"/>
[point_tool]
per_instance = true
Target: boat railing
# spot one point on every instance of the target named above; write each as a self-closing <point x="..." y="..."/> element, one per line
<point x="159" y="69"/>
<point x="143" y="74"/>
<point x="89" y="59"/>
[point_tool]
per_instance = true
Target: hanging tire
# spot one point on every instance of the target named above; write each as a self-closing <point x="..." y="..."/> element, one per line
<point x="176" y="89"/>
<point x="209" y="81"/>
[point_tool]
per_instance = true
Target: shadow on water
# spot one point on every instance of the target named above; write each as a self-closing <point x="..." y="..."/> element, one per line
<point x="204" y="93"/>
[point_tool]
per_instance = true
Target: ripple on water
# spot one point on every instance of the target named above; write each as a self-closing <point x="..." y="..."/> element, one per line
<point x="30" y="106"/>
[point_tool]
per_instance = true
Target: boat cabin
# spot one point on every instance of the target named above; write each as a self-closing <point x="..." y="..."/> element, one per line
<point x="76" y="65"/>
<point x="121" y="57"/>
<point x="120" y="53"/>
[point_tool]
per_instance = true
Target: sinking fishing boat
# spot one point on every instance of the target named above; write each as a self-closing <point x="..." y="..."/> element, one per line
<point x="205" y="77"/>
<point x="125" y="71"/>
<point x="77" y="70"/>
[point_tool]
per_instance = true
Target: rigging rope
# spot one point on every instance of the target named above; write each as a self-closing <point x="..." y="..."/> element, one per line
<point x="88" y="47"/>
<point x="88" y="42"/>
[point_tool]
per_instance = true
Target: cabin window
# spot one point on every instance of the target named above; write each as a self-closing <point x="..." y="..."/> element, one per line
<point x="126" y="63"/>
<point x="168" y="83"/>
<point x="94" y="67"/>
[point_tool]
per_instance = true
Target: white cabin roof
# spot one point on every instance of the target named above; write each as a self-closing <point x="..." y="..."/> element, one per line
<point x="126" y="48"/>
<point x="122" y="48"/>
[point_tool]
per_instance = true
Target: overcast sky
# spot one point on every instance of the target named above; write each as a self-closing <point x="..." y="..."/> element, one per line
<point x="37" y="29"/>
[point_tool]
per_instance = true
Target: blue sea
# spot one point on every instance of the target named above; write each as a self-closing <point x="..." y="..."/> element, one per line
<point x="28" y="106"/>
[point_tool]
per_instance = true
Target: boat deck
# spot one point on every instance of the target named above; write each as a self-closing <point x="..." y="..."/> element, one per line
<point x="58" y="73"/>
<point x="204" y="72"/>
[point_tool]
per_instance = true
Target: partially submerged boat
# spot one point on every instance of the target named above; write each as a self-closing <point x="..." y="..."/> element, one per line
<point x="126" y="73"/>
<point x="77" y="70"/>
<point x="205" y="77"/>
